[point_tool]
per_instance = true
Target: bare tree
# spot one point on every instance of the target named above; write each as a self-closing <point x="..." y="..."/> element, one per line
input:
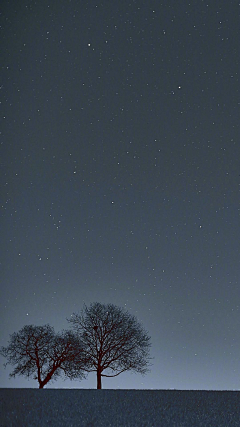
<point x="38" y="352"/>
<point x="113" y="340"/>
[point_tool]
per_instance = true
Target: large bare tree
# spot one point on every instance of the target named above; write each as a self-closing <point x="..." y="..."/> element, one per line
<point x="38" y="352"/>
<point x="114" y="341"/>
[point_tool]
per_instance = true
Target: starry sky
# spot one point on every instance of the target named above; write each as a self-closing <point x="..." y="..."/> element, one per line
<point x="121" y="179"/>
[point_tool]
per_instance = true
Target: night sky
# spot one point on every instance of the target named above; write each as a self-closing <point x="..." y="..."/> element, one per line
<point x="121" y="179"/>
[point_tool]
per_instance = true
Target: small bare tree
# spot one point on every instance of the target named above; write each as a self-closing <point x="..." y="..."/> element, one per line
<point x="113" y="340"/>
<point x="38" y="352"/>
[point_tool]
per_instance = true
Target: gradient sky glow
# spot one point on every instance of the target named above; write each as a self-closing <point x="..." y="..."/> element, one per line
<point x="121" y="177"/>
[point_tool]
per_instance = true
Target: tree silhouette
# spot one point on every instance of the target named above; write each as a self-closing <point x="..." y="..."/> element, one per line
<point x="38" y="352"/>
<point x="113" y="340"/>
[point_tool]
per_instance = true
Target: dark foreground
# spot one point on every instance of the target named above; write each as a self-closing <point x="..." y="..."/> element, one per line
<point x="120" y="408"/>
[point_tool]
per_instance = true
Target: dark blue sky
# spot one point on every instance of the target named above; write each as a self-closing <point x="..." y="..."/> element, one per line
<point x="121" y="177"/>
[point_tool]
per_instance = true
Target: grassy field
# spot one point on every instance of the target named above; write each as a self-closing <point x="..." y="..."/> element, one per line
<point x="120" y="408"/>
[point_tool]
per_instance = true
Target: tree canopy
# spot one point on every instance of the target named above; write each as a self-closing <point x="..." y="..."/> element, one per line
<point x="113" y="340"/>
<point x="38" y="352"/>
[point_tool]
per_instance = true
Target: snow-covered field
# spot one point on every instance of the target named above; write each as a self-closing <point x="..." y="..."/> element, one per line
<point x="122" y="408"/>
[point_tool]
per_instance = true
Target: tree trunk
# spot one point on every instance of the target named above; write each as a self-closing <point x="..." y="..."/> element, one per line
<point x="48" y="378"/>
<point x="39" y="376"/>
<point x="99" y="379"/>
